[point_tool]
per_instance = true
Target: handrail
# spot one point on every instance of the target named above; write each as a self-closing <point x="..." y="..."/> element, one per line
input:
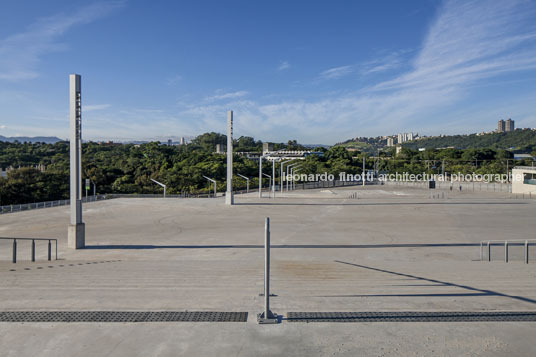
<point x="506" y="242"/>
<point x="14" y="260"/>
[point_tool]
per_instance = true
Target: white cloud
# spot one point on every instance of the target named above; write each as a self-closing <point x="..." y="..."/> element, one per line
<point x="336" y="72"/>
<point x="468" y="43"/>
<point x="93" y="107"/>
<point x="173" y="80"/>
<point x="220" y="95"/>
<point x="283" y="65"/>
<point x="20" y="53"/>
<point x="3" y="126"/>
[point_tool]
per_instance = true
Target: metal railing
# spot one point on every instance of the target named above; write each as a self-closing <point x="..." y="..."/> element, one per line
<point x="14" y="260"/>
<point x="48" y="204"/>
<point x="506" y="243"/>
<point x="465" y="185"/>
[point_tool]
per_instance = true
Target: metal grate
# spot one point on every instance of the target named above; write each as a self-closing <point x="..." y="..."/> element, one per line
<point x="411" y="316"/>
<point x="122" y="316"/>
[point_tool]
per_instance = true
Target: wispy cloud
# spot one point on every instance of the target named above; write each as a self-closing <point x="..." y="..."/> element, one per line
<point x="20" y="53"/>
<point x="93" y="107"/>
<point x="468" y="43"/>
<point x="336" y="72"/>
<point x="220" y="95"/>
<point x="384" y="63"/>
<point x="283" y="65"/>
<point x="173" y="80"/>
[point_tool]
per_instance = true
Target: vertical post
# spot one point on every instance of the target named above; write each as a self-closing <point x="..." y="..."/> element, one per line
<point x="49" y="251"/>
<point x="260" y="176"/>
<point x="526" y="252"/>
<point x="273" y="175"/>
<point x="489" y="251"/>
<point x="76" y="233"/>
<point x="33" y="250"/>
<point x="229" y="199"/>
<point x="267" y="317"/>
<point x="14" y="250"/>
<point x="363" y="170"/>
<point x="506" y="251"/>
<point x="266" y="266"/>
<point x="481" y="251"/>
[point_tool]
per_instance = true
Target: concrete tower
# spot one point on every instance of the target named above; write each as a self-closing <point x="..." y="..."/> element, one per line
<point x="76" y="233"/>
<point x="229" y="199"/>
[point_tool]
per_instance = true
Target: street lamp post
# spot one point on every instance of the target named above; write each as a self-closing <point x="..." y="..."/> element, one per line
<point x="288" y="168"/>
<point x="247" y="182"/>
<point x="160" y="184"/>
<point x="214" y="182"/>
<point x="269" y="182"/>
<point x="281" y="175"/>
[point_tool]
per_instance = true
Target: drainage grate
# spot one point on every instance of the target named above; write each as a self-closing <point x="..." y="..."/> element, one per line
<point x="411" y="316"/>
<point x="122" y="316"/>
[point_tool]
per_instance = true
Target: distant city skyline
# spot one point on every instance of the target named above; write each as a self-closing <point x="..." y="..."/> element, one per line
<point x="318" y="72"/>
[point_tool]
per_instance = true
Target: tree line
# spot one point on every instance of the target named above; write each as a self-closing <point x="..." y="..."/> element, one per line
<point x="128" y="168"/>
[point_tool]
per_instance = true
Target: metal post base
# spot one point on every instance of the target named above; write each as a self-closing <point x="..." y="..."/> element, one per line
<point x="271" y="319"/>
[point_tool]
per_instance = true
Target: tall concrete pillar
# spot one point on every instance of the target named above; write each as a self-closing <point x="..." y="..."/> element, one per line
<point x="229" y="199"/>
<point x="76" y="233"/>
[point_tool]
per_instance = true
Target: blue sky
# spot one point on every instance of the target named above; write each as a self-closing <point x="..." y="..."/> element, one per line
<point x="315" y="71"/>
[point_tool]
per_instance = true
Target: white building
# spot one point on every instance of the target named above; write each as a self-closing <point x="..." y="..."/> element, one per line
<point x="524" y="179"/>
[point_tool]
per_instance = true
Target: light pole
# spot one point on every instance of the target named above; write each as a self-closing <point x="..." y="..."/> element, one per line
<point x="273" y="175"/>
<point x="229" y="194"/>
<point x="288" y="168"/>
<point x="260" y="175"/>
<point x="281" y="175"/>
<point x="214" y="182"/>
<point x="160" y="184"/>
<point x="76" y="230"/>
<point x="247" y="182"/>
<point x="269" y="182"/>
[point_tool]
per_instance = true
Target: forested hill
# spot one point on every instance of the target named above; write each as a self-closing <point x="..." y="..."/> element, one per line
<point x="521" y="141"/>
<point x="28" y="139"/>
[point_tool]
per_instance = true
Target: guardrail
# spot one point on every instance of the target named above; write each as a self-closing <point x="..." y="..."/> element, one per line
<point x="506" y="243"/>
<point x="14" y="260"/>
<point x="48" y="204"/>
<point x="465" y="185"/>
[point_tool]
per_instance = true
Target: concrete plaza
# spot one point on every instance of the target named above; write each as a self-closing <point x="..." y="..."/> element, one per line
<point x="392" y="249"/>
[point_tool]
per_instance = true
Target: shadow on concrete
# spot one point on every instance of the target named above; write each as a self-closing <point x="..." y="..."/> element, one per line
<point x="280" y="246"/>
<point x="474" y="291"/>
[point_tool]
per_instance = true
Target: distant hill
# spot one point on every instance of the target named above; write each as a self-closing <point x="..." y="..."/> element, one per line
<point x="519" y="141"/>
<point x="35" y="139"/>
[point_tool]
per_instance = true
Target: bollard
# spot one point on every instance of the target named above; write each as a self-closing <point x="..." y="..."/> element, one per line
<point x="14" y="250"/>
<point x="526" y="252"/>
<point x="506" y="251"/>
<point x="267" y="317"/>
<point x="33" y="250"/>
<point x="489" y="252"/>
<point x="49" y="251"/>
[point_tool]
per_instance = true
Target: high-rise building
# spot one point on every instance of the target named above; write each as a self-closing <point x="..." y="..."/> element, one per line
<point x="267" y="147"/>
<point x="410" y="136"/>
<point x="400" y="138"/>
<point x="509" y="125"/>
<point x="169" y="142"/>
<point x="390" y="142"/>
<point x="501" y="126"/>
<point x="182" y="140"/>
